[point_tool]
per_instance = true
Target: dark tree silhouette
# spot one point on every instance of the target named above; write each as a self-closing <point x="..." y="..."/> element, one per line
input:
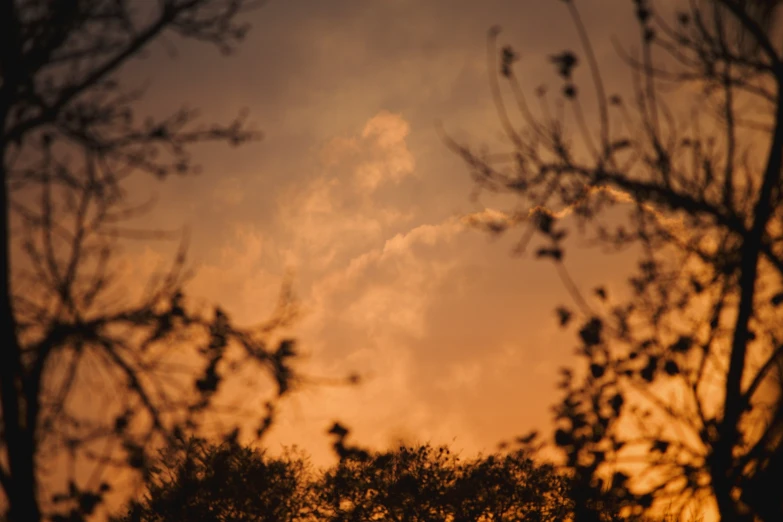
<point x="680" y="397"/>
<point x="69" y="142"/>
<point x="422" y="483"/>
<point x="228" y="482"/>
<point x="202" y="482"/>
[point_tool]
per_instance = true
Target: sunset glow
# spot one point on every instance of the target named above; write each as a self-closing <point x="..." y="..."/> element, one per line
<point x="391" y="259"/>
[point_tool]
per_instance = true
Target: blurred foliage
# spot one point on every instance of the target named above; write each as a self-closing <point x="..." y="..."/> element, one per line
<point x="228" y="482"/>
<point x="202" y="482"/>
<point x="97" y="368"/>
<point x="679" y="402"/>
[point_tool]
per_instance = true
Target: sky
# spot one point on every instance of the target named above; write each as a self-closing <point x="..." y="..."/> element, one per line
<point x="354" y="192"/>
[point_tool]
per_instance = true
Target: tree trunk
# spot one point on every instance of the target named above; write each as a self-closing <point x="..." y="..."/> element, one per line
<point x="19" y="437"/>
<point x="722" y="459"/>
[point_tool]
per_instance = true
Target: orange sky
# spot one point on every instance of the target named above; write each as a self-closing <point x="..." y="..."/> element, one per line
<point x="354" y="189"/>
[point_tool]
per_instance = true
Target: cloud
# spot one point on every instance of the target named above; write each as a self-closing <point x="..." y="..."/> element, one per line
<point x="379" y="155"/>
<point x="367" y="276"/>
<point x="414" y="302"/>
<point x="392" y="160"/>
<point x="491" y="220"/>
<point x="242" y="275"/>
<point x="363" y="316"/>
<point x="498" y="221"/>
<point x="336" y="213"/>
<point x="389" y="287"/>
<point x="374" y="274"/>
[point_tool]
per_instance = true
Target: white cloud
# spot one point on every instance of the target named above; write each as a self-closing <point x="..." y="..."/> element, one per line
<point x="241" y="276"/>
<point x="337" y="213"/>
<point x="388" y="287"/>
<point x="383" y="294"/>
<point x="390" y="160"/>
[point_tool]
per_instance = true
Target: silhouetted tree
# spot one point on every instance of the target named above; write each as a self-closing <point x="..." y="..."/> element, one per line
<point x="423" y="483"/>
<point x="227" y="482"/>
<point x="680" y="396"/>
<point x="203" y="482"/>
<point x="69" y="141"/>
